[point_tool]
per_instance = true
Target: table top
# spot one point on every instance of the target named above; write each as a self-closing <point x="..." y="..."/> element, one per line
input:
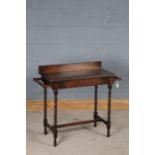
<point x="77" y="75"/>
<point x="74" y="75"/>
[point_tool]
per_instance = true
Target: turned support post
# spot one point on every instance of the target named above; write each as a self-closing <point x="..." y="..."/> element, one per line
<point x="45" y="111"/>
<point x="95" y="106"/>
<point x="55" y="117"/>
<point x="109" y="108"/>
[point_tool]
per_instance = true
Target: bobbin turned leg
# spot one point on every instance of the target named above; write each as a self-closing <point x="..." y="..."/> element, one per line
<point x="55" y="117"/>
<point x="95" y="107"/>
<point x="109" y="109"/>
<point x="45" y="111"/>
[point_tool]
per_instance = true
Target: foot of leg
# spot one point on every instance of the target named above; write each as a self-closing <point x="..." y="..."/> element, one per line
<point x="95" y="122"/>
<point x="45" y="126"/>
<point x="108" y="129"/>
<point x="108" y="133"/>
<point x="55" y="138"/>
<point x="55" y="142"/>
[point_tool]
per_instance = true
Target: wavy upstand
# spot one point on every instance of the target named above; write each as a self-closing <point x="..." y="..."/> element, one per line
<point x="75" y="75"/>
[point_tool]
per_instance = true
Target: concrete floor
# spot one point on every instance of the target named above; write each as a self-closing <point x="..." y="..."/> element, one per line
<point x="78" y="140"/>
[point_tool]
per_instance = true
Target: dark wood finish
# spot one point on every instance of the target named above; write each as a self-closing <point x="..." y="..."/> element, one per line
<point x="40" y="82"/>
<point x="78" y="78"/>
<point x="74" y="75"/>
<point x="109" y="108"/>
<point x="101" y="119"/>
<point x="95" y="107"/>
<point x="98" y="119"/>
<point x="80" y="83"/>
<point x="71" y="76"/>
<point x="45" y="69"/>
<point x="50" y="127"/>
<point x="75" y="123"/>
<point x="45" y="110"/>
<point x="55" y="116"/>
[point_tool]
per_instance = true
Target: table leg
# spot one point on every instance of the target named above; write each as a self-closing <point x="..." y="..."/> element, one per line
<point x="109" y="109"/>
<point x="95" y="107"/>
<point x="55" y="117"/>
<point x="45" y="111"/>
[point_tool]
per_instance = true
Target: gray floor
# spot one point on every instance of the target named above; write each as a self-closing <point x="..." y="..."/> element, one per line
<point x="78" y="140"/>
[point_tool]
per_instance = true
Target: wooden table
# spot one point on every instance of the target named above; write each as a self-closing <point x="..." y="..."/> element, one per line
<point x="71" y="76"/>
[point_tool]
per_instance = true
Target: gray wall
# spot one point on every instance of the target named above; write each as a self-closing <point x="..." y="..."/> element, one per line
<point x="63" y="31"/>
